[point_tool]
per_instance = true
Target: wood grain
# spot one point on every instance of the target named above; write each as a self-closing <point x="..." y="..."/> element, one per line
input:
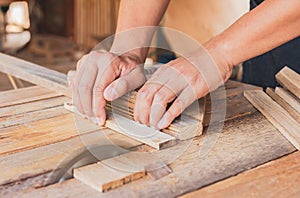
<point x="35" y="74"/>
<point x="290" y="80"/>
<point x="293" y="112"/>
<point x="279" y="117"/>
<point x="24" y="95"/>
<point x="289" y="98"/>
<point x="243" y="144"/>
<point x="279" y="178"/>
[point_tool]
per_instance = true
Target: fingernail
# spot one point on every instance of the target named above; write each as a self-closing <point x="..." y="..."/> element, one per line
<point x="162" y="123"/>
<point x="100" y="121"/>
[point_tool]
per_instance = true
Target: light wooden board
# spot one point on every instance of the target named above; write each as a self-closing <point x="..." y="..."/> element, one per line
<point x="32" y="111"/>
<point x="243" y="144"/>
<point x="34" y="73"/>
<point x="24" y="95"/>
<point x="279" y="117"/>
<point x="279" y="178"/>
<point x="104" y="178"/>
<point x="42" y="132"/>
<point x="289" y="98"/>
<point x="147" y="135"/>
<point x="290" y="80"/>
<point x="293" y="112"/>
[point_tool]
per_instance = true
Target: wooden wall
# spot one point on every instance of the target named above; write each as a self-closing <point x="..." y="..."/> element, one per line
<point x="94" y="20"/>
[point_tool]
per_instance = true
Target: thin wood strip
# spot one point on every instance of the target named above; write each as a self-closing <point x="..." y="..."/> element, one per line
<point x="290" y="80"/>
<point x="34" y="73"/>
<point x="279" y="117"/>
<point x="289" y="98"/>
<point x="43" y="132"/>
<point x="295" y="114"/>
<point x="24" y="95"/>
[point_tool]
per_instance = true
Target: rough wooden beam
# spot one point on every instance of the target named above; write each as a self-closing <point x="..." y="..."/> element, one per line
<point x="290" y="80"/>
<point x="278" y="116"/>
<point x="34" y="73"/>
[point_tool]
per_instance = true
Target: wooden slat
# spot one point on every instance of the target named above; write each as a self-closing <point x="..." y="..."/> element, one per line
<point x="42" y="132"/>
<point x="289" y="98"/>
<point x="158" y="140"/>
<point x="34" y="73"/>
<point x="293" y="112"/>
<point x="104" y="178"/>
<point x="279" y="178"/>
<point x="24" y="95"/>
<point x="241" y="139"/>
<point x="279" y="117"/>
<point x="290" y="80"/>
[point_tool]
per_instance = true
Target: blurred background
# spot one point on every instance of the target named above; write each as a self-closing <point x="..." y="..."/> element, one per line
<point x="56" y="33"/>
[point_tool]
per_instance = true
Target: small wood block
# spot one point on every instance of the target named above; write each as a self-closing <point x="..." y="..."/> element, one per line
<point x="278" y="116"/>
<point x="104" y="178"/>
<point x="290" y="80"/>
<point x="289" y="98"/>
<point x="147" y="135"/>
<point x="293" y="112"/>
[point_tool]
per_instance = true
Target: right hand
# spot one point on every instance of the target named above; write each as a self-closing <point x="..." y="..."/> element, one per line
<point x="103" y="76"/>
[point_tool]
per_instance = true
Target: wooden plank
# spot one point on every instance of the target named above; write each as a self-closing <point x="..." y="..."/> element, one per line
<point x="34" y="73"/>
<point x="147" y="135"/>
<point x="240" y="140"/>
<point x="36" y="167"/>
<point x="24" y="95"/>
<point x="293" y="112"/>
<point x="104" y="178"/>
<point x="290" y="80"/>
<point x="279" y="178"/>
<point x="43" y="132"/>
<point x="289" y="98"/>
<point x="279" y="117"/>
<point x="32" y="111"/>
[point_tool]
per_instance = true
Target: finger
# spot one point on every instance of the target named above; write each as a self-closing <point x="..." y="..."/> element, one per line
<point x="86" y="85"/>
<point x="126" y="83"/>
<point x="75" y="84"/>
<point x="159" y="105"/>
<point x="104" y="78"/>
<point x="143" y="102"/>
<point x="186" y="98"/>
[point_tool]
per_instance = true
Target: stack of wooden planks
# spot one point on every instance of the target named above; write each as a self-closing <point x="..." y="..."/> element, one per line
<point x="282" y="106"/>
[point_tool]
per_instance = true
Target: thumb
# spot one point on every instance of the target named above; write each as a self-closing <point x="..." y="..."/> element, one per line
<point x="124" y="84"/>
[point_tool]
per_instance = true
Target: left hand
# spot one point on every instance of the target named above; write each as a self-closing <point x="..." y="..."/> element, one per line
<point x="181" y="82"/>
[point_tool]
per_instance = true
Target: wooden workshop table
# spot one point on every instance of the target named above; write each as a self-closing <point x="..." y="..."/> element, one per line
<point x="250" y="158"/>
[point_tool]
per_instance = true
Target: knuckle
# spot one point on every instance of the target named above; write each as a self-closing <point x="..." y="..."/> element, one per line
<point x="84" y="88"/>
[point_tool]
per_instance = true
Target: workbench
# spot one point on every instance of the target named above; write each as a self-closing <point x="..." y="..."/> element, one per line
<point x="250" y="157"/>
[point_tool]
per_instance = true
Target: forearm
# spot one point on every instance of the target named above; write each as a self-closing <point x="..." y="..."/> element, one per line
<point x="135" y="14"/>
<point x="271" y="24"/>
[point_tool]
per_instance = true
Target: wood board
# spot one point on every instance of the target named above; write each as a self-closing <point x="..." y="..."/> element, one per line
<point x="293" y="112"/>
<point x="278" y="116"/>
<point x="35" y="74"/>
<point x="290" y="80"/>
<point x="279" y="178"/>
<point x="289" y="98"/>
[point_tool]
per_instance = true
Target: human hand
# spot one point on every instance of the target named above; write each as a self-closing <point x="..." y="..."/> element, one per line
<point x="180" y="82"/>
<point x="101" y="77"/>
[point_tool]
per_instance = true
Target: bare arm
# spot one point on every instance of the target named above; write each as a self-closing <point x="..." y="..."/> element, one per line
<point x="272" y="23"/>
